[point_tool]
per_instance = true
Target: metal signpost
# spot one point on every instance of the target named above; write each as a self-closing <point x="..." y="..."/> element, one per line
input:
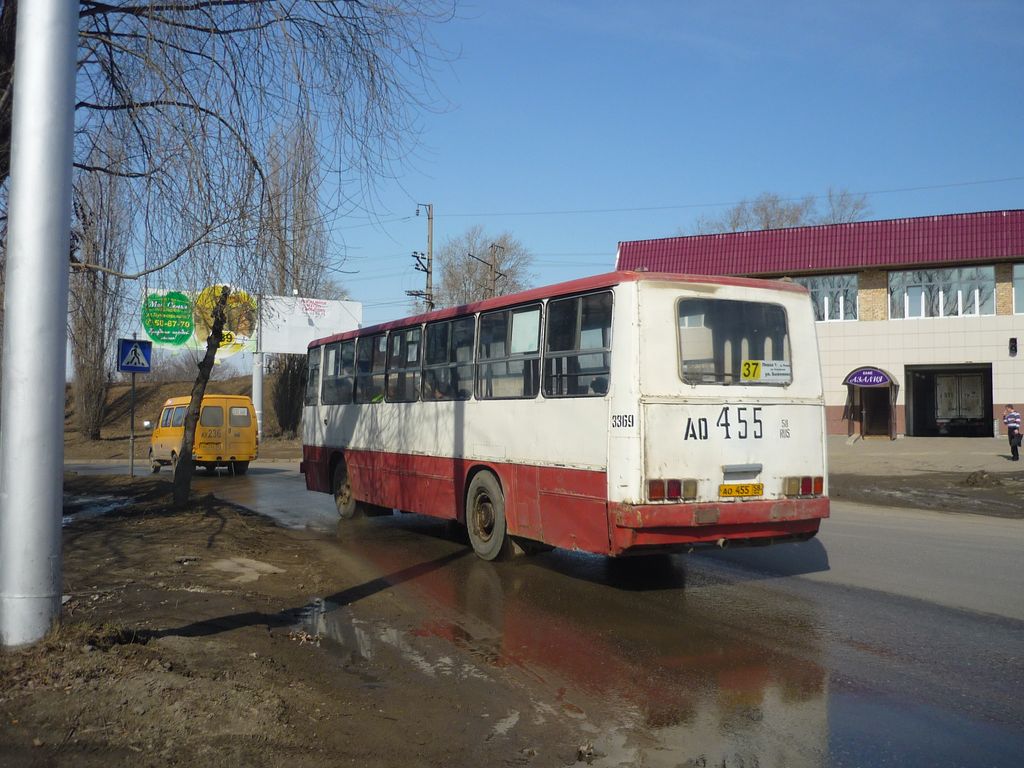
<point x="133" y="356"/>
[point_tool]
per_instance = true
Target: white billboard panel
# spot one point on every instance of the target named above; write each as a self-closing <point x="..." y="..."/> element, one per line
<point x="289" y="323"/>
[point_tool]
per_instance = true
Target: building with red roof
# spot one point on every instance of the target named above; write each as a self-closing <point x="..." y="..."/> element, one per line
<point x="918" y="318"/>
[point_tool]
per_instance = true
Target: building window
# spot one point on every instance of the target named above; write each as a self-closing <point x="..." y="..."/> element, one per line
<point x="942" y="292"/>
<point x="834" y="296"/>
<point x="1018" y="289"/>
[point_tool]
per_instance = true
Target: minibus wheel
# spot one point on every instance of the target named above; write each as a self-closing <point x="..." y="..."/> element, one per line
<point x="239" y="467"/>
<point x="153" y="463"/>
<point x="485" y="517"/>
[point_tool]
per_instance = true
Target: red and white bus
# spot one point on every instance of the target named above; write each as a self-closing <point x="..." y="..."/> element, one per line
<point x="628" y="413"/>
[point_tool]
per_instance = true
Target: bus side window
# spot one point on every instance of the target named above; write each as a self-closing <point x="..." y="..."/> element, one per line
<point x="508" y="361"/>
<point x="403" y="376"/>
<point x="448" y="359"/>
<point x="577" y="356"/>
<point x="313" y="375"/>
<point x="338" y="373"/>
<point x="165" y="418"/>
<point x="371" y="360"/>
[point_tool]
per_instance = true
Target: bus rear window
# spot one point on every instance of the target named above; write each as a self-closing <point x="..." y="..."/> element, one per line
<point x="723" y="341"/>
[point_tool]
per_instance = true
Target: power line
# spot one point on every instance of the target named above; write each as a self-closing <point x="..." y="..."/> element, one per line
<point x="685" y="206"/>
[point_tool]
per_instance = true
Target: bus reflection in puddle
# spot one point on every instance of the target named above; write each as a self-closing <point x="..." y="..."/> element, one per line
<point x="686" y="678"/>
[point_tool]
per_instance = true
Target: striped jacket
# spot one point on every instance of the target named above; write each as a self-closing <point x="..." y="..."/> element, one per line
<point x="1012" y="421"/>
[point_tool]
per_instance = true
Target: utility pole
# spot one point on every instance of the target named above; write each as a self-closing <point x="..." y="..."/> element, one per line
<point x="494" y="268"/>
<point x="38" y="243"/>
<point x="429" y="269"/>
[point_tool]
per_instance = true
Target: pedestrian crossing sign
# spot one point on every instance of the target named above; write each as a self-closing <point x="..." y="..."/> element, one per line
<point x="134" y="356"/>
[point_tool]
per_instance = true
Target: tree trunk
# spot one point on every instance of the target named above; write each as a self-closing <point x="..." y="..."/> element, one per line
<point x="183" y="469"/>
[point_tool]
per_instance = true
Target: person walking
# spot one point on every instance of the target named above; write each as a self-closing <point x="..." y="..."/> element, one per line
<point x="1012" y="421"/>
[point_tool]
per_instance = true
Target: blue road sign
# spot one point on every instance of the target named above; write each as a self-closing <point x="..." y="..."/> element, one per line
<point x="134" y="356"/>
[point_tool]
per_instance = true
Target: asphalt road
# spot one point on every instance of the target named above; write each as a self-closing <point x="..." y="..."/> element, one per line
<point x="894" y="638"/>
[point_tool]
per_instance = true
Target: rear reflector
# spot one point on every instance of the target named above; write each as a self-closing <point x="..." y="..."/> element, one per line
<point x="805" y="486"/>
<point x="675" y="489"/>
<point x="819" y="485"/>
<point x="689" y="489"/>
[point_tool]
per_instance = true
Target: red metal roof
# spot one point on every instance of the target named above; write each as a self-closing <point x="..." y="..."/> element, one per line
<point x="988" y="236"/>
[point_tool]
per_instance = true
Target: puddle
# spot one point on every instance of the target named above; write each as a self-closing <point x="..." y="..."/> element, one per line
<point x="359" y="640"/>
<point x="85" y="507"/>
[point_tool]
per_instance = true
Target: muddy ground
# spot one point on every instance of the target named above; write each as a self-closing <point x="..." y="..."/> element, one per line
<point x="187" y="640"/>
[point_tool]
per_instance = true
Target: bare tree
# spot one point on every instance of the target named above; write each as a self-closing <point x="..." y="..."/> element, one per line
<point x="843" y="207"/>
<point x="100" y="236"/>
<point x="293" y="236"/>
<point x="771" y="211"/>
<point x="183" y="469"/>
<point x="476" y="265"/>
<point x="198" y="91"/>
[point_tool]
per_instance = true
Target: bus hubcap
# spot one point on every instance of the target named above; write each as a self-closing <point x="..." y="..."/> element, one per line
<point x="483" y="517"/>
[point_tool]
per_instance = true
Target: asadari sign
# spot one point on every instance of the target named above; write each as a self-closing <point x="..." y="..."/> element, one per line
<point x="183" y="319"/>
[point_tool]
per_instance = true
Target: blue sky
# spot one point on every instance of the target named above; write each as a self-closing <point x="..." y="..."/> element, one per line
<point x="574" y="124"/>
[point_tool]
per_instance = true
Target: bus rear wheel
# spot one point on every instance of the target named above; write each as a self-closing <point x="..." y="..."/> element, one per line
<point x="346" y="503"/>
<point x="485" y="518"/>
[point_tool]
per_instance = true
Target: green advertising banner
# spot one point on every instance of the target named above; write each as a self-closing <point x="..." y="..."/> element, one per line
<point x="167" y="318"/>
<point x="182" y="319"/>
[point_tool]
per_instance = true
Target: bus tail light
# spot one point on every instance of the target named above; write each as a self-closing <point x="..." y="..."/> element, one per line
<point x="803" y="486"/>
<point x="671" y="490"/>
<point x="656" y="490"/>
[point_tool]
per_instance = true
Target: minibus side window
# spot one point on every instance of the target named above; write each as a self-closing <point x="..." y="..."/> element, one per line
<point x="165" y="418"/>
<point x="179" y="416"/>
<point x="212" y="416"/>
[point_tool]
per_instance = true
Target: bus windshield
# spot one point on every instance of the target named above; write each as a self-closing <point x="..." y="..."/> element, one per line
<point x="728" y="341"/>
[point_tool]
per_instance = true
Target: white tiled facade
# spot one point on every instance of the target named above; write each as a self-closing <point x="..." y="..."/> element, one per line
<point x="964" y="343"/>
<point x="894" y="344"/>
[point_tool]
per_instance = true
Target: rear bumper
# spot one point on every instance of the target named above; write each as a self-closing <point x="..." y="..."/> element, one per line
<point x="659" y="526"/>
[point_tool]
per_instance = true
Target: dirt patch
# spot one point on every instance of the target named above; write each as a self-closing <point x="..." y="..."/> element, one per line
<point x="978" y="492"/>
<point x="184" y="642"/>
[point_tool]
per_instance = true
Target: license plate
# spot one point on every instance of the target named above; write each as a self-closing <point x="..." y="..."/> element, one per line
<point x="740" y="490"/>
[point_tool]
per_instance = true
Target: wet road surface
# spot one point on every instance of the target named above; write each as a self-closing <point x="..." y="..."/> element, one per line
<point x="871" y="645"/>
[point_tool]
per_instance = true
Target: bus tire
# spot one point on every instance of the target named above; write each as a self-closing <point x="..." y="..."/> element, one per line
<point x="485" y="517"/>
<point x="348" y="507"/>
<point x="153" y="463"/>
<point x="239" y="467"/>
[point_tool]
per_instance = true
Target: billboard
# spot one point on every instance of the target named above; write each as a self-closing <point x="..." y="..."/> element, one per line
<point x="289" y="323"/>
<point x="183" y="319"/>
